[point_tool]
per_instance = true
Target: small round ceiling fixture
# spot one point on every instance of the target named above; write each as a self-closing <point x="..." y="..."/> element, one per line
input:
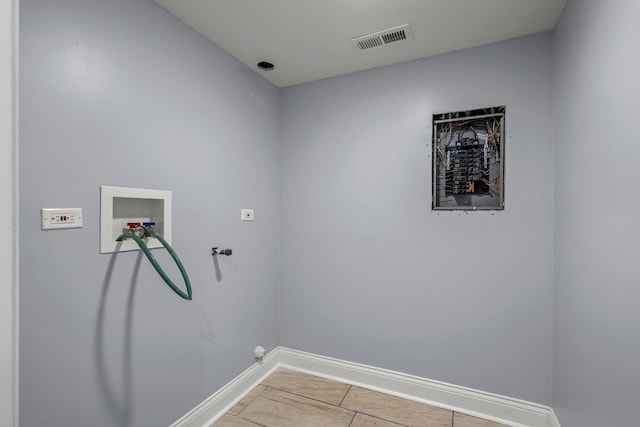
<point x="265" y="66"/>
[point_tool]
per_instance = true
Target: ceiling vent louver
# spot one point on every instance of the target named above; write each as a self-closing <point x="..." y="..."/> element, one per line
<point x="382" y="38"/>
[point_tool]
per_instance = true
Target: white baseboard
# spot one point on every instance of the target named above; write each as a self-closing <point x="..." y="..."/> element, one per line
<point x="554" y="419"/>
<point x="505" y="410"/>
<point x="221" y="401"/>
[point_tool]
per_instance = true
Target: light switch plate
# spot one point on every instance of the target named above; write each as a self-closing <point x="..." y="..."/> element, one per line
<point x="246" y="214"/>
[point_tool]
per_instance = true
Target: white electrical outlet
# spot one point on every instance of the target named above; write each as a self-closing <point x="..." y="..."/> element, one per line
<point x="61" y="218"/>
<point x="246" y="214"/>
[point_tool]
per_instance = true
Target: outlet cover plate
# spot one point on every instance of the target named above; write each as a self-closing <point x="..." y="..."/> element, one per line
<point x="55" y="218"/>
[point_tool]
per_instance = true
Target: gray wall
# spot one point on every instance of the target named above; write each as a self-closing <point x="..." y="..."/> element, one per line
<point x="121" y="93"/>
<point x="596" y="346"/>
<point x="370" y="274"/>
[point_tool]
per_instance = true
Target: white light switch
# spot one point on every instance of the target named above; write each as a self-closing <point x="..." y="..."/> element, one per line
<point x="61" y="218"/>
<point x="246" y="214"/>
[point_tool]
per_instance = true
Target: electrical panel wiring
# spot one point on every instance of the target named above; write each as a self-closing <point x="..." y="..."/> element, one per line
<point x="468" y="159"/>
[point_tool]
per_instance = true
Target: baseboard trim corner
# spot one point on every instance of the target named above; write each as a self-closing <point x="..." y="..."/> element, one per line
<point x="224" y="399"/>
<point x="505" y="410"/>
<point x="501" y="409"/>
<point x="554" y="419"/>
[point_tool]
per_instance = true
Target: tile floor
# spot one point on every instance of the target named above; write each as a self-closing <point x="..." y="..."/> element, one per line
<point x="289" y="398"/>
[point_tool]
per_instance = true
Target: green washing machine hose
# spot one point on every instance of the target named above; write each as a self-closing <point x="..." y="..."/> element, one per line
<point x="151" y="232"/>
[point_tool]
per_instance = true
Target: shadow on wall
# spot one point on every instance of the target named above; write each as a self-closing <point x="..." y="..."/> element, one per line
<point x="119" y="404"/>
<point x="216" y="266"/>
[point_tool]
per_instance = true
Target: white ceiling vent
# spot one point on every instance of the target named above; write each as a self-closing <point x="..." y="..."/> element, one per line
<point x="382" y="38"/>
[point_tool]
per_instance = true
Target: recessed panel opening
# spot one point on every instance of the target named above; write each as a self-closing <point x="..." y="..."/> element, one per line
<point x="123" y="205"/>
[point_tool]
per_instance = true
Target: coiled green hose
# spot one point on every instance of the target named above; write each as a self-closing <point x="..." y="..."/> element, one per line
<point x="155" y="264"/>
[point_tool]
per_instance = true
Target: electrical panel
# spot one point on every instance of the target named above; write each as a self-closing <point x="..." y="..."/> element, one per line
<point x="468" y="160"/>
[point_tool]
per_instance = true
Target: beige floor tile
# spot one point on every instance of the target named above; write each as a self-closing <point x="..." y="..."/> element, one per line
<point x="307" y="385"/>
<point x="275" y="408"/>
<point x="362" y="420"/>
<point x="391" y="408"/>
<point x="461" y="420"/>
<point x="280" y="402"/>
<point x="238" y="407"/>
<point x="231" y="421"/>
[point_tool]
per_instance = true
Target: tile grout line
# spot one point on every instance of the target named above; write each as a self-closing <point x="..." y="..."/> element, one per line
<point x="302" y="396"/>
<point x="345" y="396"/>
<point x="352" y="419"/>
<point x="383" y="419"/>
<point x="252" y="400"/>
<point x="342" y="400"/>
<point x="249" y="404"/>
<point x="339" y="405"/>
<point x="249" y="421"/>
<point x="267" y="387"/>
